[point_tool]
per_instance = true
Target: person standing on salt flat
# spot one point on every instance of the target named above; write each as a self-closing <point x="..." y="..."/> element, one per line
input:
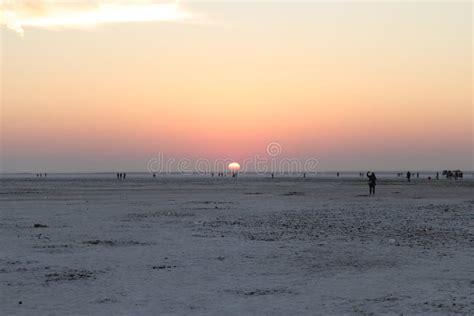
<point x="408" y="176"/>
<point x="372" y="182"/>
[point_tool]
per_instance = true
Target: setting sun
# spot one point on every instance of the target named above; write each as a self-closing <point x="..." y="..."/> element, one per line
<point x="234" y="166"/>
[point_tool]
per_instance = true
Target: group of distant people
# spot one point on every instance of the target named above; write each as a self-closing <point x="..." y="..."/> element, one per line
<point x="453" y="174"/>
<point x="447" y="173"/>
<point x="370" y="175"/>
<point x="372" y="178"/>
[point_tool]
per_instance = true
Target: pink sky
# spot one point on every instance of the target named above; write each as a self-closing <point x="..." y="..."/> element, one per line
<point x="357" y="86"/>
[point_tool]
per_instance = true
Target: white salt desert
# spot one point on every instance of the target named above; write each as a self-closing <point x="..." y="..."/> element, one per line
<point x="247" y="245"/>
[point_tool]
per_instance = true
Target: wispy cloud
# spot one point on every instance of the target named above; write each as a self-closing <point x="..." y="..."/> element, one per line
<point x="53" y="14"/>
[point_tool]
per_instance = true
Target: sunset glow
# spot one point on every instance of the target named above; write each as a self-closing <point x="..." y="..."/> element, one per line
<point x="355" y="85"/>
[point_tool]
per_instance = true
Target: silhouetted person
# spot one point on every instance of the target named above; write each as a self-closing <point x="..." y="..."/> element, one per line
<point x="437" y="175"/>
<point x="417" y="175"/>
<point x="124" y="175"/>
<point x="408" y="176"/>
<point x="118" y="176"/>
<point x="273" y="175"/>
<point x="372" y="182"/>
<point x="304" y="175"/>
<point x="337" y="174"/>
<point x="154" y="175"/>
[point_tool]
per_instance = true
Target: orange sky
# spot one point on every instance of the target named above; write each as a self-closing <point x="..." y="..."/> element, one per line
<point x="358" y="86"/>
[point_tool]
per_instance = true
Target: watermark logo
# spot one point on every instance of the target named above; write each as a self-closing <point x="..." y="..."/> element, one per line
<point x="274" y="149"/>
<point x="272" y="162"/>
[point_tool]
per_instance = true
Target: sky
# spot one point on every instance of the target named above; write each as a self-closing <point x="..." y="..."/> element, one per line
<point x="91" y="86"/>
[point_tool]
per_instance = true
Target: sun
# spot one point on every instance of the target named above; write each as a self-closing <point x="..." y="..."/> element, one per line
<point x="234" y="166"/>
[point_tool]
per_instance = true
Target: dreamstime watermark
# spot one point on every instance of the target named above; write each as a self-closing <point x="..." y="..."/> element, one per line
<point x="272" y="162"/>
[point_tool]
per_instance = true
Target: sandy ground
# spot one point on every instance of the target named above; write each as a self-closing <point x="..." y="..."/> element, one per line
<point x="196" y="245"/>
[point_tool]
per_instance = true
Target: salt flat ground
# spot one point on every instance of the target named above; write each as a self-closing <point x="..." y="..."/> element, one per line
<point x="201" y="245"/>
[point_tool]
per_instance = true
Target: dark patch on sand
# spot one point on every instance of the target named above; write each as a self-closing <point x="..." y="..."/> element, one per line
<point x="293" y="193"/>
<point x="116" y="243"/>
<point x="72" y="275"/>
<point x="40" y="226"/>
<point x="157" y="214"/>
<point x="260" y="292"/>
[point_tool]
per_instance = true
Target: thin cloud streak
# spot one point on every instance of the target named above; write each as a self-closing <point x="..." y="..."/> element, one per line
<point x="52" y="14"/>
